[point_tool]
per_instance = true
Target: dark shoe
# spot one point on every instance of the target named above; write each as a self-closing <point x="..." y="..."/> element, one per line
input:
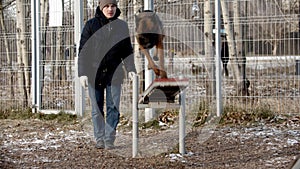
<point x="109" y="145"/>
<point x="100" y="144"/>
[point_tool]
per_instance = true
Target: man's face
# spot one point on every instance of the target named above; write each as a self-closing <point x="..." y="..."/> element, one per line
<point x="109" y="10"/>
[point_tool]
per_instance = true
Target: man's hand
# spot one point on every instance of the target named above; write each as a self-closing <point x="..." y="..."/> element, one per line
<point x="84" y="81"/>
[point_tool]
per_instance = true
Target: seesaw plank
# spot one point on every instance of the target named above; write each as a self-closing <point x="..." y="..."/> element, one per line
<point x="163" y="90"/>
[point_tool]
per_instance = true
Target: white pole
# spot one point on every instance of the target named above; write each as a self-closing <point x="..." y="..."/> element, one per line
<point x="218" y="59"/>
<point x="182" y="123"/>
<point x="79" y="90"/>
<point x="37" y="56"/>
<point x="135" y="115"/>
<point x="149" y="75"/>
<point x="33" y="53"/>
<point x="148" y="5"/>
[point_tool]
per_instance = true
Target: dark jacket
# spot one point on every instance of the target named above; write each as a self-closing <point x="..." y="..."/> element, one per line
<point x="104" y="45"/>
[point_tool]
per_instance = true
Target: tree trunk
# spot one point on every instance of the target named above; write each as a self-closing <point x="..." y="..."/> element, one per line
<point x="70" y="40"/>
<point x="124" y="9"/>
<point x="85" y="11"/>
<point x="237" y="28"/>
<point x="60" y="69"/>
<point x="208" y="39"/>
<point x="44" y="6"/>
<point x="233" y="57"/>
<point x="52" y="59"/>
<point x="161" y="6"/>
<point x="241" y="58"/>
<point x="7" y="47"/>
<point x="23" y="74"/>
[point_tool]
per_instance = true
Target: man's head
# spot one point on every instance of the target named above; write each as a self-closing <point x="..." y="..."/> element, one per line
<point x="103" y="3"/>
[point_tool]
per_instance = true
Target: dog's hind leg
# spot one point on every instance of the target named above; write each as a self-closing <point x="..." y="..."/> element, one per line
<point x="155" y="57"/>
<point x="150" y="61"/>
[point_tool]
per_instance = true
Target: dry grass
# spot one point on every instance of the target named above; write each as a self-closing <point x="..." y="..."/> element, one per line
<point x="27" y="114"/>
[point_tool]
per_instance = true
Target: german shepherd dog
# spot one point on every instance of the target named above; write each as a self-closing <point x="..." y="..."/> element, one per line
<point x="150" y="33"/>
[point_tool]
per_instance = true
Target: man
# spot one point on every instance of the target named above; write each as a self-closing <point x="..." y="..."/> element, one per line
<point x="105" y="47"/>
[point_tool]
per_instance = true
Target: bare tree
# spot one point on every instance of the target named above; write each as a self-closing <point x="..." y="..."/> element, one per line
<point x="208" y="38"/>
<point x="124" y="8"/>
<point x="268" y="24"/>
<point x="23" y="74"/>
<point x="233" y="55"/>
<point x="69" y="39"/>
<point x="7" y="47"/>
<point x="85" y="11"/>
<point x="161" y="6"/>
<point x="44" y="14"/>
<point x="60" y="69"/>
<point x="241" y="58"/>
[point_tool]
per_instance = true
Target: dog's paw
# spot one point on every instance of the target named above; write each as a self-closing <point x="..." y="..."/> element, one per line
<point x="163" y="74"/>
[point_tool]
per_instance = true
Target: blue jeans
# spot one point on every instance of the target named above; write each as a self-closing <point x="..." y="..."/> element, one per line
<point x="105" y="126"/>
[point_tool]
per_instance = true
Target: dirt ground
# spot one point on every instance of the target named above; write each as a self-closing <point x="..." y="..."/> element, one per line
<point x="36" y="143"/>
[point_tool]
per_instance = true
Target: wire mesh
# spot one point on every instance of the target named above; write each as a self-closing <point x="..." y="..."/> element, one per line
<point x="270" y="39"/>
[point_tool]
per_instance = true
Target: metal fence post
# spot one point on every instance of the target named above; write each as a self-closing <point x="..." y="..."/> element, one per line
<point x="149" y="76"/>
<point x="79" y="91"/>
<point x="33" y="51"/>
<point x="218" y="59"/>
<point x="35" y="76"/>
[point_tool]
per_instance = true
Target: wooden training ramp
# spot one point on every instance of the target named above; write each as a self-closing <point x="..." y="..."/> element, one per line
<point x="163" y="90"/>
<point x="160" y="94"/>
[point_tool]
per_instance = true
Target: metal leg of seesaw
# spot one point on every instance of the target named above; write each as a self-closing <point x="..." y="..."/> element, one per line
<point x="135" y="108"/>
<point x="182" y="123"/>
<point x="135" y="116"/>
